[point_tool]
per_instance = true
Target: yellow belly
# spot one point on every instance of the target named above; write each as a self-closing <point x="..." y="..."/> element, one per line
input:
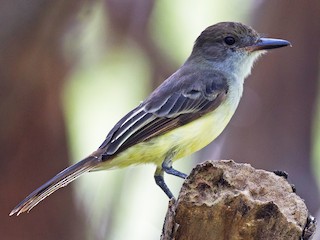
<point x="185" y="140"/>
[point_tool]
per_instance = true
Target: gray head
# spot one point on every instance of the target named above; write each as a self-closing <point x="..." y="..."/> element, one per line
<point x="232" y="47"/>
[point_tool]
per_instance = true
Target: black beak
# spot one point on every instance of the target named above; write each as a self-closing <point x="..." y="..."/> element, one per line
<point x="268" y="43"/>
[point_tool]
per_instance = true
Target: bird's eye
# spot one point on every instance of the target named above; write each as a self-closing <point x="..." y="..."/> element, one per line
<point x="229" y="40"/>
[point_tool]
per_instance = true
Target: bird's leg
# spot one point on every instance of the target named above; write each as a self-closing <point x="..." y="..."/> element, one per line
<point x="158" y="177"/>
<point x="167" y="167"/>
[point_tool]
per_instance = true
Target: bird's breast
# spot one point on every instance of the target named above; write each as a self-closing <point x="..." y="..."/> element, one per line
<point x="183" y="140"/>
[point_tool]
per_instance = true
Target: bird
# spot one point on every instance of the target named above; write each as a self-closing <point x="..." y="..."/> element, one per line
<point x="181" y="116"/>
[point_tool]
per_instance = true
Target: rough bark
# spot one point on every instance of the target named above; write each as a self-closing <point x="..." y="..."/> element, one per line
<point x="229" y="201"/>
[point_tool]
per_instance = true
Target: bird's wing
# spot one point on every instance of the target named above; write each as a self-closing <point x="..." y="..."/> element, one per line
<point x="164" y="111"/>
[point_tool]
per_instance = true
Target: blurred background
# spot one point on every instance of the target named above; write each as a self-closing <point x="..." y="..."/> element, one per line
<point x="69" y="70"/>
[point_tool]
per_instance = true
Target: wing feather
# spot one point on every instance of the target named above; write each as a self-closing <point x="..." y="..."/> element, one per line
<point x="165" y="111"/>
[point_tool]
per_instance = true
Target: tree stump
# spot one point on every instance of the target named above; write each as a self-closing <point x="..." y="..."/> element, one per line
<point x="224" y="200"/>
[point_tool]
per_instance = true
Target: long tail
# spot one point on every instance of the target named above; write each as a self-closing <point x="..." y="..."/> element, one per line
<point x="60" y="180"/>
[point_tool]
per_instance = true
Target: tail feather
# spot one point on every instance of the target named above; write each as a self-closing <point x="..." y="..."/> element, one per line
<point x="60" y="180"/>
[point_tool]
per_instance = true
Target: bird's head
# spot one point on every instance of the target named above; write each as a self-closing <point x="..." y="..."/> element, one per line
<point x="233" y="47"/>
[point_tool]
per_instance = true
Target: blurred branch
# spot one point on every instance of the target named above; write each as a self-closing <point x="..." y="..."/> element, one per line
<point x="225" y="200"/>
<point x="274" y="124"/>
<point x="130" y="19"/>
<point x="33" y="142"/>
